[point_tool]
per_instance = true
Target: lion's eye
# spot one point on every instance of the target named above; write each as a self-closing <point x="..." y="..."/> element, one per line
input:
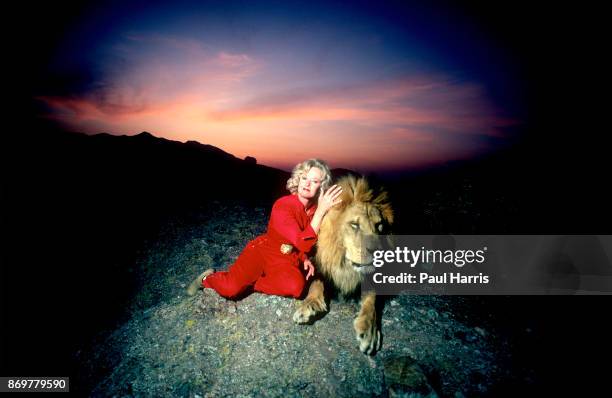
<point x="354" y="225"/>
<point x="379" y="227"/>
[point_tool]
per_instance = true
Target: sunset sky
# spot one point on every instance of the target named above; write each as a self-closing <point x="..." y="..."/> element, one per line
<point x="367" y="87"/>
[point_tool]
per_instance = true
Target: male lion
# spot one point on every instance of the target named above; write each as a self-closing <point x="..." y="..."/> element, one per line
<point x="342" y="258"/>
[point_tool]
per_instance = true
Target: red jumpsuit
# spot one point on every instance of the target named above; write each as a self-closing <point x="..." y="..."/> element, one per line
<point x="262" y="264"/>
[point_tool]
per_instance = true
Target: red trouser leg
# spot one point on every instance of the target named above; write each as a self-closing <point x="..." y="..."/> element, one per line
<point x="281" y="279"/>
<point x="247" y="269"/>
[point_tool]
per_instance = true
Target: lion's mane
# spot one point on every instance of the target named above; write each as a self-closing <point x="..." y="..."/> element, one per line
<point x="330" y="257"/>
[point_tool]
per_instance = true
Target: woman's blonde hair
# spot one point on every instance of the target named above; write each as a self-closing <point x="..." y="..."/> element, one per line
<point x="303" y="168"/>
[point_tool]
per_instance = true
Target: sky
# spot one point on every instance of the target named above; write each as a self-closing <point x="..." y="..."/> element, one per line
<point x="369" y="86"/>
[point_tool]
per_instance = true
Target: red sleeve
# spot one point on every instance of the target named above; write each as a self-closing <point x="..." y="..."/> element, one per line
<point x="284" y="220"/>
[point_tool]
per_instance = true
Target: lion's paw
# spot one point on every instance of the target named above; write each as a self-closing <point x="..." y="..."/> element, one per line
<point x="368" y="335"/>
<point x="308" y="309"/>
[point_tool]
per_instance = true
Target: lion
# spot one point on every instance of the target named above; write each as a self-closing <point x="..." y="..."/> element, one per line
<point x="342" y="260"/>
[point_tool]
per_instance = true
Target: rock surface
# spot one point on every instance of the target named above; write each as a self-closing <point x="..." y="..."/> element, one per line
<point x="179" y="346"/>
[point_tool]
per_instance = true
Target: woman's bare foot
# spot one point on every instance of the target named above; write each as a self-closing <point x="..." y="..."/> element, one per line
<point x="197" y="282"/>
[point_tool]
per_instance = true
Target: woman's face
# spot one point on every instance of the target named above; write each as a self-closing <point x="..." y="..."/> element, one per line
<point x="310" y="182"/>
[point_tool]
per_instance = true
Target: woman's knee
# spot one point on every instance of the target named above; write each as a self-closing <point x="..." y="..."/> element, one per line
<point x="294" y="286"/>
<point x="226" y="287"/>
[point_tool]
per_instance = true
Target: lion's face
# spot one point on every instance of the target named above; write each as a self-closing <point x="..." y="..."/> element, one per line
<point x="351" y="232"/>
<point x="360" y="224"/>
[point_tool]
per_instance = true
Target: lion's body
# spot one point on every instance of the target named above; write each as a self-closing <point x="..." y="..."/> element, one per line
<point x="342" y="256"/>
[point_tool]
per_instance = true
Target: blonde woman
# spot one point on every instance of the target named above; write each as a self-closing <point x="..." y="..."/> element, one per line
<point x="272" y="263"/>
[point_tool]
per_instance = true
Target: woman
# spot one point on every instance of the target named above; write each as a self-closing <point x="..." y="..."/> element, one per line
<point x="271" y="262"/>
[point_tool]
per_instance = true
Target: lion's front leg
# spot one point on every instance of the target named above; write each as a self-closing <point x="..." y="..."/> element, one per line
<point x="366" y="325"/>
<point x="313" y="304"/>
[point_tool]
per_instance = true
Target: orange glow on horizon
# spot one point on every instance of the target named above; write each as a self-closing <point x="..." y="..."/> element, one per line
<point x="225" y="102"/>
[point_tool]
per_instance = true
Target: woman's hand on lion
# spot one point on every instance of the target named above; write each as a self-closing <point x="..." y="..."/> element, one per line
<point x="309" y="267"/>
<point x="329" y="198"/>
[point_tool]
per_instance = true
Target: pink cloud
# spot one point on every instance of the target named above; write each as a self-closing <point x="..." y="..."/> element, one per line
<point x="424" y="102"/>
<point x="226" y="99"/>
<point x="233" y="60"/>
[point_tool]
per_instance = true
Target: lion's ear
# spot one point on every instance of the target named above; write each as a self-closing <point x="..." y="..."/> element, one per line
<point x="383" y="204"/>
<point x="387" y="213"/>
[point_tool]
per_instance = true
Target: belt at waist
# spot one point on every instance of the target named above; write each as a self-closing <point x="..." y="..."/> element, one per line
<point x="280" y="245"/>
